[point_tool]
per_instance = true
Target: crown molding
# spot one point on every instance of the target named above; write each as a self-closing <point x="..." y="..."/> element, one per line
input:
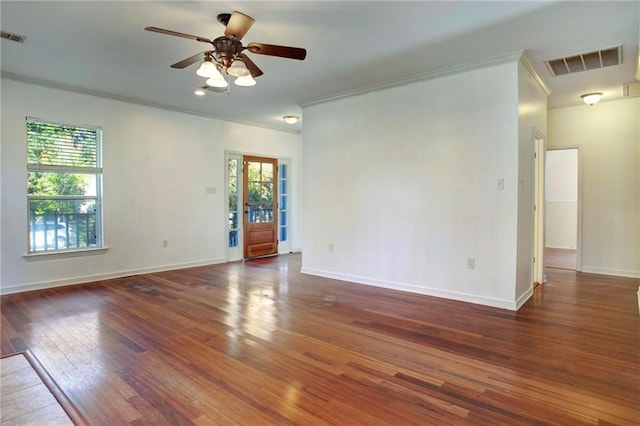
<point x="130" y="100"/>
<point x="424" y="76"/>
<point x="524" y="59"/>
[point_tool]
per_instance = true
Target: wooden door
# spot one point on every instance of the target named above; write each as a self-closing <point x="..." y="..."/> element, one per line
<point x="260" y="206"/>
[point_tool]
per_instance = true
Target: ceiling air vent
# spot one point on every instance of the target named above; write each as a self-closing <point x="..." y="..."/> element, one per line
<point x="585" y="61"/>
<point x="13" y="37"/>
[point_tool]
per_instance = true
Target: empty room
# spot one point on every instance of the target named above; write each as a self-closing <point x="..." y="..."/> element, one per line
<point x="320" y="212"/>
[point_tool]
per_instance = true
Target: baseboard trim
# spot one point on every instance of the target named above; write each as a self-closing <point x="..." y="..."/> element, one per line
<point x="428" y="291"/>
<point x="524" y="297"/>
<point x="98" y="277"/>
<point x="607" y="271"/>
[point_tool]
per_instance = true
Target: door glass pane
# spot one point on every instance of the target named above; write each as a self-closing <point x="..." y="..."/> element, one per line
<point x="282" y="194"/>
<point x="233" y="168"/>
<point x="254" y="171"/>
<point x="254" y="192"/>
<point x="267" y="172"/>
<point x="267" y="192"/>
<point x="234" y="205"/>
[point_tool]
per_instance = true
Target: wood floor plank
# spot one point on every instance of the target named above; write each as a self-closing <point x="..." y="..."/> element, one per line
<point x="257" y="342"/>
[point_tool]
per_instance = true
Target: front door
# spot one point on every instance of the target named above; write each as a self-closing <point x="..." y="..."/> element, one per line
<point x="260" y="197"/>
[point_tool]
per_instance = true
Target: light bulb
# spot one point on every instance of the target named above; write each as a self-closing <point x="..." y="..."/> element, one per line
<point x="238" y="69"/>
<point x="245" y="81"/>
<point x="199" y="92"/>
<point x="217" y="81"/>
<point x="207" y="69"/>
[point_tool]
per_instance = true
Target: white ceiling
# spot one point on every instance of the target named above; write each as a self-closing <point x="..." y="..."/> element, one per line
<point x="102" y="48"/>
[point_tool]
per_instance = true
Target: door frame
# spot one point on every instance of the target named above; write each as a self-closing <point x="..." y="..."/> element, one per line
<point x="539" y="189"/>
<point x="578" y="203"/>
<point x="236" y="253"/>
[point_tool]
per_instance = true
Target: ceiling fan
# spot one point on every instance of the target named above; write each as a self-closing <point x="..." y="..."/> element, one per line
<point x="227" y="54"/>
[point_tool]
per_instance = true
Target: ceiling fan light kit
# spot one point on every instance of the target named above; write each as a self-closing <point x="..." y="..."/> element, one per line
<point x="207" y="69"/>
<point x="245" y="81"/>
<point x="217" y="81"/>
<point x="227" y="55"/>
<point x="238" y="69"/>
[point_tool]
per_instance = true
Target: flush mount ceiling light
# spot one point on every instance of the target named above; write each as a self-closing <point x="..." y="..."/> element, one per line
<point x="591" y="98"/>
<point x="291" y="119"/>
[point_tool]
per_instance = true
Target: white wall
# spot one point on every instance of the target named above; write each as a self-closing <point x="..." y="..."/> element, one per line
<point x="402" y="184"/>
<point x="532" y="123"/>
<point x="608" y="135"/>
<point x="157" y="164"/>
<point x="561" y="224"/>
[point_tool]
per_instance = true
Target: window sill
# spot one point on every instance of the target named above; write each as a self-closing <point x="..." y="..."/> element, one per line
<point x="65" y="254"/>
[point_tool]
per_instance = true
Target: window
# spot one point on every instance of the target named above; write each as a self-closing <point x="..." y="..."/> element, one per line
<point x="233" y="175"/>
<point x="283" y="192"/>
<point x="64" y="186"/>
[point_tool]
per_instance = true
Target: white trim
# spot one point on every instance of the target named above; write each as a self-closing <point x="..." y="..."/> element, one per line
<point x="59" y="254"/>
<point x="429" y="75"/>
<point x="98" y="277"/>
<point x="135" y="101"/>
<point x="609" y="271"/>
<point x="534" y="74"/>
<point x="454" y="295"/>
<point x="559" y="247"/>
<point x="524" y="297"/>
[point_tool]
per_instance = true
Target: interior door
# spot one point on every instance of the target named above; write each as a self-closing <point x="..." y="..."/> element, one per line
<point x="260" y="206"/>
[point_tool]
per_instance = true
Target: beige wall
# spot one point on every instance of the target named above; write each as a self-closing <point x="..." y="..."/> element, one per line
<point x="608" y="136"/>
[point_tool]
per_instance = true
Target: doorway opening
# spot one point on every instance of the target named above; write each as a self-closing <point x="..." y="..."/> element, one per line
<point x="258" y="192"/>
<point x="562" y="208"/>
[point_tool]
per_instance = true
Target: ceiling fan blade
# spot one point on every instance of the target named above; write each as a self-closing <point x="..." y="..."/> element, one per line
<point x="191" y="60"/>
<point x="177" y="34"/>
<point x="281" y="51"/>
<point x="253" y="68"/>
<point x="238" y="25"/>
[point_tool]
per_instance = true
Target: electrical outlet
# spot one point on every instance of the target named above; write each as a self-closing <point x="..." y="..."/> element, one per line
<point x="500" y="184"/>
<point x="330" y="248"/>
<point x="471" y="263"/>
<point x="165" y="243"/>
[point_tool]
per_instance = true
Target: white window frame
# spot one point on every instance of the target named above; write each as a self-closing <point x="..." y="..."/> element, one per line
<point x="97" y="171"/>
<point x="284" y="246"/>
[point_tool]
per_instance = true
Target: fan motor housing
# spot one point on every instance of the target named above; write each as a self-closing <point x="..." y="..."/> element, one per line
<point x="226" y="50"/>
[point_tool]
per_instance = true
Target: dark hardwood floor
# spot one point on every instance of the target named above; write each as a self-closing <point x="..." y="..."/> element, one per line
<point x="560" y="258"/>
<point x="259" y="343"/>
